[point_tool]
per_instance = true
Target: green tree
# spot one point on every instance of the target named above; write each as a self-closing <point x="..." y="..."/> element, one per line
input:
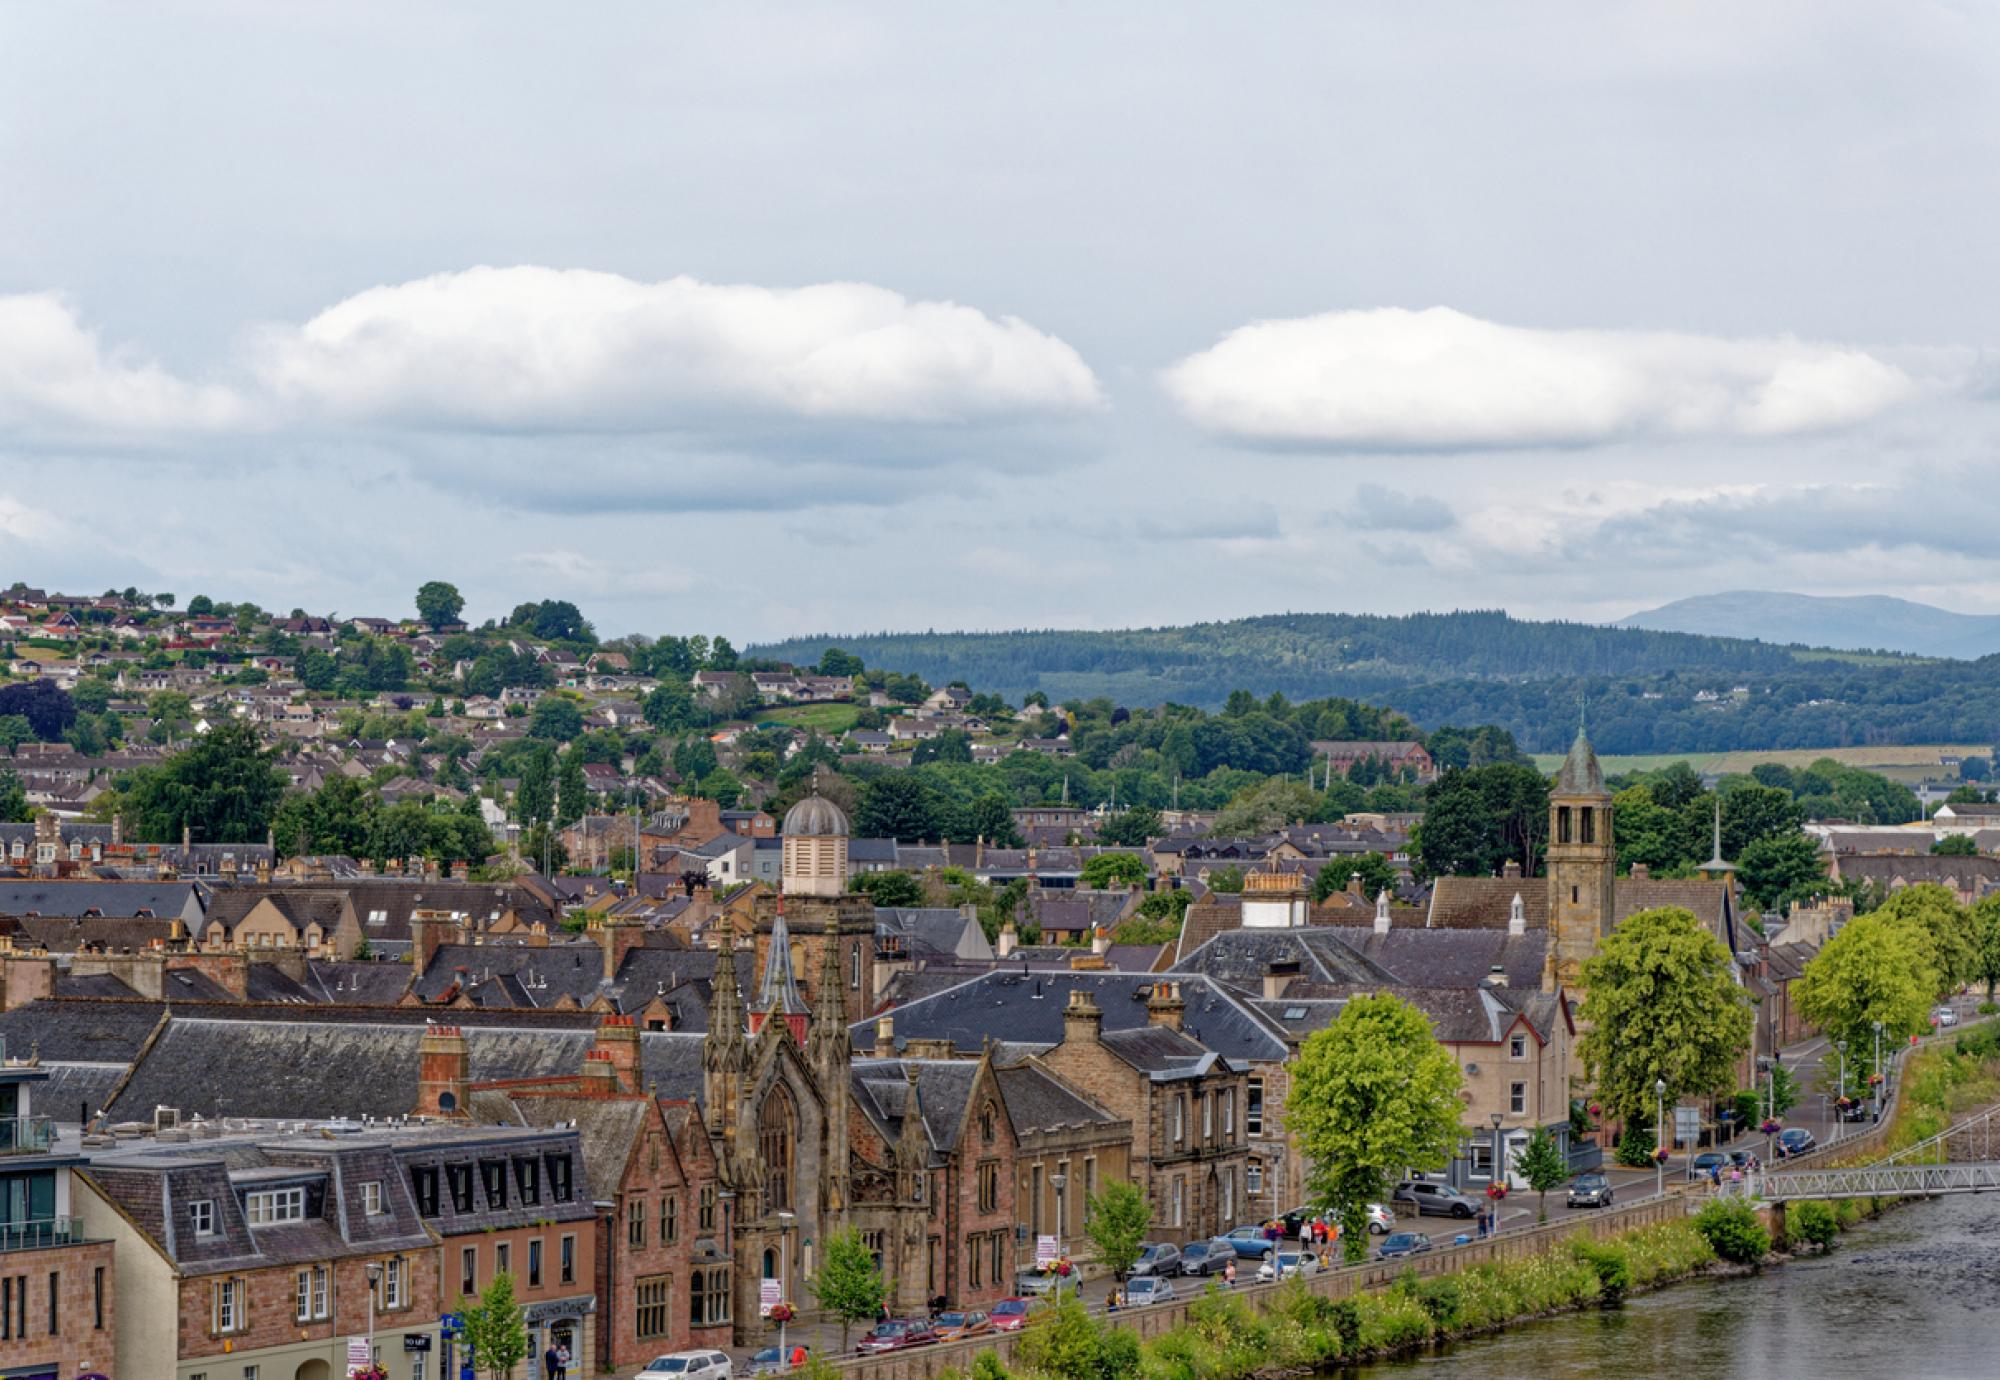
<point x="888" y="889"/>
<point x="1263" y="808"/>
<point x="556" y="717"/>
<point x="1734" y="1231"/>
<point x="1132" y="828"/>
<point x="572" y="791"/>
<point x="1477" y="820"/>
<point x="1878" y="968"/>
<point x="849" y="1283"/>
<point x="1114" y="869"/>
<point x="1950" y="846"/>
<point x="1985" y="917"/>
<point x="1780" y="868"/>
<point x="989" y="817"/>
<point x="1116" y="1221"/>
<point x="495" y="1328"/>
<point x="1661" y="1003"/>
<point x="1376" y="872"/>
<point x="899" y="805"/>
<point x="1373" y="1094"/>
<point x="221" y="789"/>
<point x="439" y="603"/>
<point x="1228" y="880"/>
<point x="13" y="799"/>
<point x="14" y="731"/>
<point x="535" y="797"/>
<point x="1935" y="911"/>
<point x="1543" y="1165"/>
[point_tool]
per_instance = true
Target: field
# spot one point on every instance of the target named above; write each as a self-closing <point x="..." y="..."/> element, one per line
<point x="829" y="720"/>
<point x="1907" y="762"/>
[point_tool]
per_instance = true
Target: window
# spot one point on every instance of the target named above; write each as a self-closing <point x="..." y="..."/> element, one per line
<point x="55" y="1296"/>
<point x="312" y="1294"/>
<point x="986" y="1123"/>
<point x="461" y="1186"/>
<point x="201" y="1212"/>
<point x="1089" y="1184"/>
<point x="1253" y="1108"/>
<point x="989" y="1185"/>
<point x="708" y="1296"/>
<point x="705" y="1213"/>
<point x="1228" y="1195"/>
<point x="468" y="1270"/>
<point x="249" y="1373"/>
<point x="559" y="1178"/>
<point x="775" y="1124"/>
<point x="13" y="1307"/>
<point x="503" y="1258"/>
<point x="1229" y="1113"/>
<point x="1562" y="824"/>
<point x="652" y="1296"/>
<point x="1180" y="1117"/>
<point x="535" y="1262"/>
<point x="854" y="966"/>
<point x="974" y="1246"/>
<point x="371" y="1197"/>
<point x="396" y="1283"/>
<point x="1208" y="1116"/>
<point x="1517" y="1098"/>
<point x="567" y="1260"/>
<point x="528" y="1179"/>
<point x="670" y="1218"/>
<point x="635" y="1222"/>
<point x="228" y="1312"/>
<point x="97" y="1298"/>
<point x="1180" y="1202"/>
<point x="273" y="1206"/>
<point x="424" y="1181"/>
<point x="493" y="1173"/>
<point x="1517" y="1047"/>
<point x="1253" y="1177"/>
<point x="999" y="1261"/>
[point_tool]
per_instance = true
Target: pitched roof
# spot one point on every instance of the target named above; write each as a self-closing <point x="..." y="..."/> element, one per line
<point x="1484" y="902"/>
<point x="1580" y="774"/>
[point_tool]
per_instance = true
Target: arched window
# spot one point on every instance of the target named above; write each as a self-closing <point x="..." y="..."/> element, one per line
<point x="986" y="1123"/>
<point x="777" y="1127"/>
<point x="854" y="967"/>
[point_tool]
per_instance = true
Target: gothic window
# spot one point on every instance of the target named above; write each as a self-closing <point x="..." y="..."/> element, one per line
<point x="1562" y="824"/>
<point x="1589" y="823"/>
<point x="776" y="1131"/>
<point x="986" y="1123"/>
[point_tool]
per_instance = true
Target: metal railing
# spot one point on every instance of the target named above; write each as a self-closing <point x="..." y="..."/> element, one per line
<point x="26" y="1135"/>
<point x="40" y="1233"/>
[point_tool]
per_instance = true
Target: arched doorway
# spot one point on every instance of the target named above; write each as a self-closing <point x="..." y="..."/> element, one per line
<point x="313" y="1370"/>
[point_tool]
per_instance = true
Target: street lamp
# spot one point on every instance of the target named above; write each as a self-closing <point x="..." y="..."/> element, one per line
<point x="1880" y="1082"/>
<point x="784" y="1356"/>
<point x="1497" y="1172"/>
<point x="374" y="1272"/>
<point x="1659" y="1136"/>
<point x="1057" y="1182"/>
<point x="1840" y="1126"/>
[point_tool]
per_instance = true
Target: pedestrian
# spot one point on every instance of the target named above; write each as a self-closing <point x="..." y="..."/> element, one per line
<point x="1229" y="1275"/>
<point x="562" y="1361"/>
<point x="1111" y="1301"/>
<point x="798" y="1355"/>
<point x="550" y="1365"/>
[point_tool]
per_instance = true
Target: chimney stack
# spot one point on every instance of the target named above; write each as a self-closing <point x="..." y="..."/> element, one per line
<point x="1100" y="941"/>
<point x="1165" y="1006"/>
<point x="1083" y="1022"/>
<point x="1517" y="915"/>
<point x="1641" y="872"/>
<point x="885" y="1035"/>
<point x="1278" y="976"/>
<point x="618" y="1040"/>
<point x="443" y="1071"/>
<point x="1511" y="868"/>
<point x="1382" y="911"/>
<point x="1496" y="976"/>
<point x="1010" y="939"/>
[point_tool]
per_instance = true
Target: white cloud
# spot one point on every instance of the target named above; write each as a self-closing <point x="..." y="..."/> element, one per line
<point x="531" y="348"/>
<point x="56" y="379"/>
<point x="1437" y="379"/>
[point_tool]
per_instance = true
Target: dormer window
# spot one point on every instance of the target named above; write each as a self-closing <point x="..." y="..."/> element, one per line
<point x="275" y="1207"/>
<point x="201" y="1216"/>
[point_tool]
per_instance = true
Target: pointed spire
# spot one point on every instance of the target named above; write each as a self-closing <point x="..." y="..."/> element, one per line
<point x="827" y="1045"/>
<point x="725" y="1010"/>
<point x="1715" y="866"/>
<point x="1580" y="774"/>
<point x="1517" y="916"/>
<point x="913" y="1149"/>
<point x="779" y="991"/>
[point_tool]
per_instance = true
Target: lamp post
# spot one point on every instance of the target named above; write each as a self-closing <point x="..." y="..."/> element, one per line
<point x="1880" y="1082"/>
<point x="1058" y="1182"/>
<point x="1659" y="1136"/>
<point x="789" y="1219"/>
<point x="1498" y="1173"/>
<point x="374" y="1272"/>
<point x="1840" y="1048"/>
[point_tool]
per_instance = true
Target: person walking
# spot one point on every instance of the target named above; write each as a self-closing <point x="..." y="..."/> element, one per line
<point x="550" y="1365"/>
<point x="1229" y="1275"/>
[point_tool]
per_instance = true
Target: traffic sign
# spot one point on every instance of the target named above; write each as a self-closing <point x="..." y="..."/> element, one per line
<point x="451" y="1325"/>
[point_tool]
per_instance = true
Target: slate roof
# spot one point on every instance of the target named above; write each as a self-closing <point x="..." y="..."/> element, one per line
<point x="607" y="1127"/>
<point x="1708" y="900"/>
<point x="50" y="896"/>
<point x="1484" y="902"/>
<point x="1025" y="1009"/>
<point x="63" y="934"/>
<point x="1240" y="957"/>
<point x="80" y="1031"/>
<point x="944" y="1086"/>
<point x="301" y="906"/>
<point x="931" y="930"/>
<point x="1159" y="1051"/>
<point x="1580" y="775"/>
<point x="1038" y="1102"/>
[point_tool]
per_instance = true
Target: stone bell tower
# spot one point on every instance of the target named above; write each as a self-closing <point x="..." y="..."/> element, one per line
<point x="1582" y="862"/>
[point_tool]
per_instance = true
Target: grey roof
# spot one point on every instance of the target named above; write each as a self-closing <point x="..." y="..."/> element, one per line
<point x="779" y="987"/>
<point x="1580" y="774"/>
<point x="1038" y="1101"/>
<point x="815" y="817"/>
<point x="1019" y="1008"/>
<point x="1240" y="957"/>
<point x="45" y="896"/>
<point x="944" y="1086"/>
<point x="932" y="931"/>
<point x="607" y="1127"/>
<point x="80" y="1031"/>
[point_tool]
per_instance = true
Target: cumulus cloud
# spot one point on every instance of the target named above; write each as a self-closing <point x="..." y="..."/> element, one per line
<point x="530" y="348"/>
<point x="57" y="379"/>
<point x="1399" y="380"/>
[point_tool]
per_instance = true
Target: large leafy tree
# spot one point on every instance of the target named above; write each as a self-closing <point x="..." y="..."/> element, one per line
<point x="1947" y="931"/>
<point x="849" y="1282"/>
<point x="1878" y="968"/>
<point x="572" y="790"/>
<point x="1985" y="916"/>
<point x="1114" y="870"/>
<point x="13" y="798"/>
<point x="1661" y="1003"/>
<point x="1781" y="867"/>
<point x="1116" y="1222"/>
<point x="899" y="805"/>
<point x="1132" y="828"/>
<point x="495" y="1328"/>
<point x="45" y="705"/>
<point x="1375" y="871"/>
<point x="222" y="789"/>
<point x="1373" y="1094"/>
<point x="439" y="603"/>
<point x="888" y="889"/>
<point x="1476" y="820"/>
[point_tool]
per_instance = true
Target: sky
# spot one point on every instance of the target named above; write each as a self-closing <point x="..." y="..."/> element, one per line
<point x="767" y="319"/>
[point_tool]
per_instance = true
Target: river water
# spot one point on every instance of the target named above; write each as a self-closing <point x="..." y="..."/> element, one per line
<point x="1915" y="1294"/>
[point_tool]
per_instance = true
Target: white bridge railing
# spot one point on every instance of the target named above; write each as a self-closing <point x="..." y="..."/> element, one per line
<point x="1962" y="1158"/>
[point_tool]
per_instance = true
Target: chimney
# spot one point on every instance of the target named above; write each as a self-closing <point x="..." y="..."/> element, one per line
<point x="263" y="870"/>
<point x="1517" y="915"/>
<point x="618" y="1039"/>
<point x="1496" y="976"/>
<point x="1382" y="911"/>
<point x="1512" y="868"/>
<point x="442" y="1072"/>
<point x="1010" y="939"/>
<point x="1083" y="1022"/>
<point x="885" y="1035"/>
<point x="538" y="935"/>
<point x="1641" y="872"/>
<point x="599" y="1078"/>
<point x="1354" y="885"/>
<point x="1165" y="1006"/>
<point x="117" y="829"/>
<point x="1278" y="975"/>
<point x="1100" y="941"/>
<point x="619" y="936"/>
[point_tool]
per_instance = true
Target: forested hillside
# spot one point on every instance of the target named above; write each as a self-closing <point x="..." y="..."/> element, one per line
<point x="1646" y="691"/>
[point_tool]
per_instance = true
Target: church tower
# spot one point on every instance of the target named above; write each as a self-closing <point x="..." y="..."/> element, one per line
<point x="1582" y="862"/>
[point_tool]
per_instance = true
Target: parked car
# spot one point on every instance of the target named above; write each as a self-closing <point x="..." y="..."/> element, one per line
<point x="1047" y="1284"/>
<point x="1381" y="1221"/>
<point x="896" y="1334"/>
<point x="1797" y="1140"/>
<point x="1160" y="1258"/>
<point x="1705" y="1164"/>
<point x="1010" y="1315"/>
<point x="771" y="1361"/>
<point x="960" y="1323"/>
<point x="1148" y="1289"/>
<point x="1946" y="1016"/>
<point x="1207" y="1257"/>
<point x="1287" y="1265"/>
<point x="689" y="1365"/>
<point x="1434" y="1199"/>
<point x="1590" y="1190"/>
<point x="1857" y="1110"/>
<point x="1402" y="1243"/>
<point x="1249" y="1243"/>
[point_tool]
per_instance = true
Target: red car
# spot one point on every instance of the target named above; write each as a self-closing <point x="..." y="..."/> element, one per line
<point x="1010" y="1315"/>
<point x="897" y="1334"/>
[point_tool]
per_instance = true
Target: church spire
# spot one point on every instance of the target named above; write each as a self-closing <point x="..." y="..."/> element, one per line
<point x="1715" y="868"/>
<point x="722" y="1048"/>
<point x="779" y="990"/>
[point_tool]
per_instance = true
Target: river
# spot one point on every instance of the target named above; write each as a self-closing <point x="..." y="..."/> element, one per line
<point x="1915" y="1293"/>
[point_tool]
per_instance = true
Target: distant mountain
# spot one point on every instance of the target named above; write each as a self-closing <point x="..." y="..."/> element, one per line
<point x="1868" y="622"/>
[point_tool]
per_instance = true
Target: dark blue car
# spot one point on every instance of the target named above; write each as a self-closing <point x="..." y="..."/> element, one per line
<point x="1401" y="1243"/>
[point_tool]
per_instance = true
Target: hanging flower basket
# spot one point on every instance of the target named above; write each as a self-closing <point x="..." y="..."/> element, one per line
<point x="1660" y="1155"/>
<point x="782" y="1313"/>
<point x="1496" y="1190"/>
<point x="369" y="1373"/>
<point x="1596" y="1110"/>
<point x="1771" y="1126"/>
<point x="1061" y="1267"/>
<point x="1874" y="1078"/>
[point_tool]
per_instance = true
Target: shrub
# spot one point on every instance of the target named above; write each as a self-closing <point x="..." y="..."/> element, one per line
<point x="1610" y="1264"/>
<point x="1734" y="1232"/>
<point x="1440" y="1298"/>
<point x="1635" y="1147"/>
<point x="1987" y="1008"/>
<point x="1667" y="1251"/>
<point x="1811" y="1222"/>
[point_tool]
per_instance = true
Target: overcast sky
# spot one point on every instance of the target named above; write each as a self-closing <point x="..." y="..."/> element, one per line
<point x="765" y="319"/>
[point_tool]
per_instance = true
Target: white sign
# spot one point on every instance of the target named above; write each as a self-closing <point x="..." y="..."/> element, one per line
<point x="1687" y="1125"/>
<point x="770" y="1293"/>
<point x="360" y="1355"/>
<point x="1045" y="1250"/>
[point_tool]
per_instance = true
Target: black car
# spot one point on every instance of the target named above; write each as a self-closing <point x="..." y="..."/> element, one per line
<point x="1704" y="1165"/>
<point x="1797" y="1140"/>
<point x="1401" y="1243"/>
<point x="1590" y="1190"/>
